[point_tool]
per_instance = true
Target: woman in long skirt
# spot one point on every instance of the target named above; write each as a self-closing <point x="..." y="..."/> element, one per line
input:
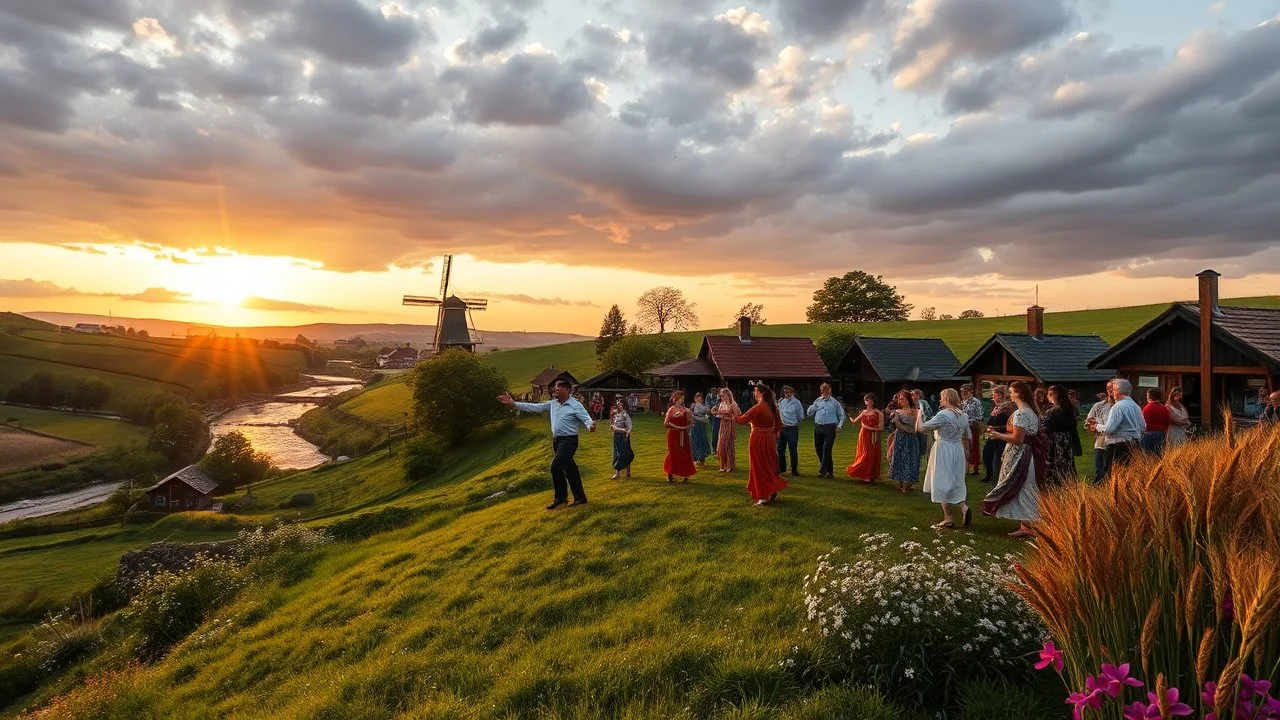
<point x="866" y="463"/>
<point x="701" y="445"/>
<point x="679" y="459"/>
<point x="1022" y="468"/>
<point x="904" y="456"/>
<point x="972" y="407"/>
<point x="944" y="480"/>
<point x="992" y="449"/>
<point x="727" y="410"/>
<point x="763" y="480"/>
<point x="1060" y="426"/>
<point x="1179" y="420"/>
<point x="620" y="423"/>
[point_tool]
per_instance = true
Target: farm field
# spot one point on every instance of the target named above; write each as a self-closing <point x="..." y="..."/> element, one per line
<point x="100" y="432"/>
<point x="20" y="450"/>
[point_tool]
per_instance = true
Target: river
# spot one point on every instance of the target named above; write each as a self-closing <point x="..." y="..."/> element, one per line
<point x="267" y="428"/>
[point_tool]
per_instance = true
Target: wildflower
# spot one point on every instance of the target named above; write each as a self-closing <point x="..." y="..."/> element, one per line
<point x="1114" y="679"/>
<point x="1079" y="701"/>
<point x="910" y="673"/>
<point x="1138" y="711"/>
<point x="1051" y="655"/>
<point x="1176" y="709"/>
<point x="1250" y="687"/>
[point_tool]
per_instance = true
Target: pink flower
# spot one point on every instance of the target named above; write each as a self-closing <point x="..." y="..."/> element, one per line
<point x="1050" y="655"/>
<point x="1081" y="700"/>
<point x="1250" y="687"/>
<point x="1113" y="680"/>
<point x="1176" y="708"/>
<point x="1139" y="711"/>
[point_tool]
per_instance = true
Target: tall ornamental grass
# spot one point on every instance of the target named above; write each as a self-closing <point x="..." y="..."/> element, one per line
<point x="1171" y="567"/>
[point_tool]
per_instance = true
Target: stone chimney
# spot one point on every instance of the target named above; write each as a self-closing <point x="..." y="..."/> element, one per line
<point x="1208" y="310"/>
<point x="1035" y="321"/>
<point x="744" y="330"/>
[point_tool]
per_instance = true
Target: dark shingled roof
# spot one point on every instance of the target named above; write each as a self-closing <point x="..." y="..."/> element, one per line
<point x="909" y="359"/>
<point x="626" y="380"/>
<point x="548" y="376"/>
<point x="1254" y="331"/>
<point x="1052" y="358"/>
<point x="766" y="357"/>
<point x="193" y="477"/>
<point x="697" y="367"/>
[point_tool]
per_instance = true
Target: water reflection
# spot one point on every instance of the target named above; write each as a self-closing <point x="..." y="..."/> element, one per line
<point x="267" y="429"/>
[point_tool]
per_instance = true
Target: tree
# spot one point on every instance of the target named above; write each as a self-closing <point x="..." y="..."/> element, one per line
<point x="946" y="316"/>
<point x="752" y="311"/>
<point x="929" y="313"/>
<point x="456" y="393"/>
<point x="833" y="345"/>
<point x="144" y="334"/>
<point x="971" y="315"/>
<point x="89" y="393"/>
<point x="638" y="353"/>
<point x="857" y="297"/>
<point x="179" y="433"/>
<point x="666" y="307"/>
<point x="234" y="463"/>
<point x="613" y="329"/>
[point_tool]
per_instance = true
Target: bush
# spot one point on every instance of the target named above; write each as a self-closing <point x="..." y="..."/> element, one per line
<point x="264" y="543"/>
<point x="456" y="393"/>
<point x="233" y="462"/>
<point x="423" y="457"/>
<point x="637" y="353"/>
<point x="916" y="621"/>
<point x="168" y="605"/>
<point x="302" y="499"/>
<point x="1170" y="567"/>
<point x="66" y="637"/>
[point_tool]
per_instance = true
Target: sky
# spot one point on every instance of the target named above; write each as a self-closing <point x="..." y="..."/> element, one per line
<point x="255" y="162"/>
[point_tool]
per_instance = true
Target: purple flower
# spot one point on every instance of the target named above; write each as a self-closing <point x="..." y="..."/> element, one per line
<point x="1090" y="699"/>
<point x="1050" y="655"/>
<point x="1176" y="708"/>
<point x="1250" y="687"/>
<point x="1113" y="680"/>
<point x="1138" y="711"/>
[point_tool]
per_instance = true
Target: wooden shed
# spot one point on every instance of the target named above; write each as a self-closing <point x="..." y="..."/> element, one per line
<point x="187" y="489"/>
<point x="614" y="383"/>
<point x="885" y="365"/>
<point x="1039" y="358"/>
<point x="546" y="379"/>
<point x="1221" y="356"/>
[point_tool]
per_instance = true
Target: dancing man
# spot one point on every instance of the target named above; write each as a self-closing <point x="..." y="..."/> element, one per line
<point x="566" y="413"/>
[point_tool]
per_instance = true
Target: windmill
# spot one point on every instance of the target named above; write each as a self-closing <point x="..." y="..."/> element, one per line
<point x="454" y="326"/>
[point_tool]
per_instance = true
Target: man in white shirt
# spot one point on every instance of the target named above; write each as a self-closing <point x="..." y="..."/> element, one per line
<point x="566" y="413"/>
<point x="828" y="417"/>
<point x="1125" y="424"/>
<point x="1095" y="421"/>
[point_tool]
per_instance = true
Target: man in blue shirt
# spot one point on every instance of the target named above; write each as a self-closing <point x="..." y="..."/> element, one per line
<point x="566" y="414"/>
<point x="792" y="412"/>
<point x="828" y="417"/>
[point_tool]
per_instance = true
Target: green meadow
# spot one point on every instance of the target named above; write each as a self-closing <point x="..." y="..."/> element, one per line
<point x="100" y="432"/>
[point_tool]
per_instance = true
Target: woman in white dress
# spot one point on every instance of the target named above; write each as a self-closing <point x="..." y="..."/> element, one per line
<point x="1179" y="420"/>
<point x="1016" y="495"/>
<point x="944" y="480"/>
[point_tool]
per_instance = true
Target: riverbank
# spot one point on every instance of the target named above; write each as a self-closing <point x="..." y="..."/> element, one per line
<point x="62" y="502"/>
<point x="269" y="424"/>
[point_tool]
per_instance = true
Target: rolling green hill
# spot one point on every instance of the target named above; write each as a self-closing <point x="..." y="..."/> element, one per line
<point x="99" y="432"/>
<point x="12" y="322"/>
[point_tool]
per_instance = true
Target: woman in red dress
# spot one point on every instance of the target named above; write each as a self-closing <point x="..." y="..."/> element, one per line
<point x="679" y="448"/>
<point x="866" y="463"/>
<point x="763" y="480"/>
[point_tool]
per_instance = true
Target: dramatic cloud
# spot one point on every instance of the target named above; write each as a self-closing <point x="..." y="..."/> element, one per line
<point x="29" y="288"/>
<point x="491" y="39"/>
<point x="348" y="31"/>
<point x="159" y="295"/>
<point x="261" y="303"/>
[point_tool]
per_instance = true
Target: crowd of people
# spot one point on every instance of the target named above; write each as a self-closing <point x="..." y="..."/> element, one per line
<point x="1032" y="440"/>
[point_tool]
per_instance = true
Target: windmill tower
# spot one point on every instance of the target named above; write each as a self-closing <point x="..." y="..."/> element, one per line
<point x="454" y="325"/>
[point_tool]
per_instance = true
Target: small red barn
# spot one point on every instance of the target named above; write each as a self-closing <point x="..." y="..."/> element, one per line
<point x="188" y="489"/>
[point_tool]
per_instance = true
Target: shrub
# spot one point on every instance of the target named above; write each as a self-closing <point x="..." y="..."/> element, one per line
<point x="168" y="605"/>
<point x="66" y="637"/>
<point x="456" y="393"/>
<point x="1171" y="566"/>
<point x="233" y="462"/>
<point x="262" y="543"/>
<point x="301" y="499"/>
<point x="916" y="621"/>
<point x="423" y="457"/>
<point x="637" y="353"/>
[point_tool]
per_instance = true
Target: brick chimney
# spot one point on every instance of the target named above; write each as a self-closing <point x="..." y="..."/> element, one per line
<point x="1208" y="310"/>
<point x="744" y="330"/>
<point x="1035" y="321"/>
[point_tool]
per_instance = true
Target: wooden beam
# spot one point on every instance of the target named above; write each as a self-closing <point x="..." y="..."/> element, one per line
<point x="1004" y="360"/>
<point x="1005" y="378"/>
<point x="1192" y="369"/>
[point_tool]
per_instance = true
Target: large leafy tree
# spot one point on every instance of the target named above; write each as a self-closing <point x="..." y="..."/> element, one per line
<point x="752" y="311"/>
<point x="833" y="345"/>
<point x="665" y="308"/>
<point x="638" y="353"/>
<point x="179" y="433"/>
<point x="233" y="462"/>
<point x="857" y="297"/>
<point x="613" y="329"/>
<point x="971" y="315"/>
<point x="456" y="393"/>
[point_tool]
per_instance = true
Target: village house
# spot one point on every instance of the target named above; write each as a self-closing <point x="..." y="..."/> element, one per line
<point x="187" y="489"/>
<point x="546" y="379"/>
<point x="397" y="358"/>
<point x="1038" y="358"/>
<point x="90" y="329"/>
<point x="885" y="365"/>
<point x="733" y="361"/>
<point x="1220" y="355"/>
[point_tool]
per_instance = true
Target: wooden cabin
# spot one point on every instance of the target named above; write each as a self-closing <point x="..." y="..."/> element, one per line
<point x="187" y="489"/>
<point x="732" y="361"/>
<point x="885" y="365"/>
<point x="1038" y="358"/>
<point x="546" y="379"/>
<point x="1221" y="356"/>
<point x="613" y="384"/>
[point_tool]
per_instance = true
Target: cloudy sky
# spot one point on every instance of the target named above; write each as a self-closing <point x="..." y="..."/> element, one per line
<point x="276" y="161"/>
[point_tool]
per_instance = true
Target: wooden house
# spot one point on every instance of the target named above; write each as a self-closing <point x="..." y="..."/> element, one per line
<point x="188" y="489"/>
<point x="732" y="361"/>
<point x="612" y="384"/>
<point x="546" y="379"/>
<point x="1221" y="356"/>
<point x="1038" y="358"/>
<point x="885" y="365"/>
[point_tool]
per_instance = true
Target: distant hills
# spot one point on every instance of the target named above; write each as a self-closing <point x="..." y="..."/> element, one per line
<point x="373" y="333"/>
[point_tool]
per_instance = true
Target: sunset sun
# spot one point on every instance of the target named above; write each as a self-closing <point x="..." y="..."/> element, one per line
<point x="229" y="281"/>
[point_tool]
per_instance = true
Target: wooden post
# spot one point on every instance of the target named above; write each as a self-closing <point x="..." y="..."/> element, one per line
<point x="1208" y="308"/>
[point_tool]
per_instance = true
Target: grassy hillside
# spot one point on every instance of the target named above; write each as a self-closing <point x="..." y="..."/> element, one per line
<point x="10" y="322"/>
<point x="99" y="432"/>
<point x="655" y="600"/>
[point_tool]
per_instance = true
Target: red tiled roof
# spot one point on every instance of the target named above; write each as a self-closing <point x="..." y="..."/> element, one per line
<point x="766" y="357"/>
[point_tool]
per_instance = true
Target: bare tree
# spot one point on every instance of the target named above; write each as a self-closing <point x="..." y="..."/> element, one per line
<point x="751" y="311"/>
<point x="666" y="307"/>
<point x="929" y="313"/>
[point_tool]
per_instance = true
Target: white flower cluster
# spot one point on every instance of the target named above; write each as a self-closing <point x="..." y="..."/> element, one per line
<point x="910" y="610"/>
<point x="265" y="542"/>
